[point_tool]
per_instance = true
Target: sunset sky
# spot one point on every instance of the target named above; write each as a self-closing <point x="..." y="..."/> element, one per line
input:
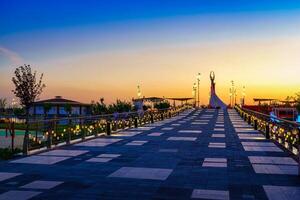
<point x="105" y="48"/>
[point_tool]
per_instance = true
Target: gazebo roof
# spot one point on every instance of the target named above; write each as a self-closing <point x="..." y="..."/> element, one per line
<point x="58" y="100"/>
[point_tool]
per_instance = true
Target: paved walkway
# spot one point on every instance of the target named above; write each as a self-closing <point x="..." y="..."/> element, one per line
<point x="204" y="154"/>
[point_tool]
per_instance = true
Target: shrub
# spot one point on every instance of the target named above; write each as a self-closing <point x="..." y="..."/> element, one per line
<point x="7" y="153"/>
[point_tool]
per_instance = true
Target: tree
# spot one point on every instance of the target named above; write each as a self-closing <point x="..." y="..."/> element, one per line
<point x="162" y="105"/>
<point x="27" y="88"/>
<point x="3" y="103"/>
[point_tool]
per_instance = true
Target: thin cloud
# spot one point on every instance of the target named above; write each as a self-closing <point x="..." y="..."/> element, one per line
<point x="12" y="56"/>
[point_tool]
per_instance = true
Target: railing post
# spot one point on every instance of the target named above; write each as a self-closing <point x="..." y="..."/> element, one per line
<point x="162" y="116"/>
<point x="69" y="132"/>
<point x="108" y="127"/>
<point x="152" y="118"/>
<point x="267" y="131"/>
<point x="255" y="124"/>
<point x="49" y="140"/>
<point x="135" y="122"/>
<point x="249" y="119"/>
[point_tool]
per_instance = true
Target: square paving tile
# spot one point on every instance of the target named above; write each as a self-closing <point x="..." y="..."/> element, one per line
<point x="272" y="160"/>
<point x="142" y="173"/>
<point x="282" y="192"/>
<point x="18" y="195"/>
<point x="219" y="129"/>
<point x="43" y="160"/>
<point x="199" y="123"/>
<point x="42" y="184"/>
<point x="108" y="155"/>
<point x="182" y="138"/>
<point x="137" y="143"/>
<point x="62" y="152"/>
<point x="127" y="133"/>
<point x="167" y="129"/>
<point x="214" y="164"/>
<point x="99" y="142"/>
<point x="155" y="134"/>
<point x="218" y="135"/>
<point x="210" y="194"/>
<point x="216" y="145"/>
<point x="101" y="160"/>
<point x="266" y="149"/>
<point x="275" y="169"/>
<point x="215" y="160"/>
<point x="189" y="131"/>
<point x="259" y="144"/>
<point x="8" y="175"/>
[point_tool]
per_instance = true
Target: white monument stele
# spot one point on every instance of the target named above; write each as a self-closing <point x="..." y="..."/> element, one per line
<point x="214" y="100"/>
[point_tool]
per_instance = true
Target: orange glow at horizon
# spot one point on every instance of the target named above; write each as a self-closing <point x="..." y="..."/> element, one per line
<point x="267" y="69"/>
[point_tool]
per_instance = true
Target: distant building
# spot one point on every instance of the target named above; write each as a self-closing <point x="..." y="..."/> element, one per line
<point x="59" y="106"/>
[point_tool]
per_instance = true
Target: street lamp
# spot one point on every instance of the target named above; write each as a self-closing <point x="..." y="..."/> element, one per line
<point x="230" y="94"/>
<point x="194" y="93"/>
<point x="198" y="81"/>
<point x="139" y="93"/>
<point x="244" y="94"/>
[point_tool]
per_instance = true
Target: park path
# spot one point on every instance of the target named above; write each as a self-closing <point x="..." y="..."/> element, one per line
<point x="200" y="154"/>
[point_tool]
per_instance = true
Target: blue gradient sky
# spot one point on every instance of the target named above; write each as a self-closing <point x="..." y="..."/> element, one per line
<point x="89" y="49"/>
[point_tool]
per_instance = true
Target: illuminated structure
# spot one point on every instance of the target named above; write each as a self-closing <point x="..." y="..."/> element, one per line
<point x="215" y="101"/>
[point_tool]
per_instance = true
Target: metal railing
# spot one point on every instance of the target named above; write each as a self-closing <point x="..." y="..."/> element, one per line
<point x="50" y="133"/>
<point x="285" y="132"/>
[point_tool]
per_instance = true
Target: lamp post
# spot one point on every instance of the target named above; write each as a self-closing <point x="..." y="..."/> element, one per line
<point x="244" y="94"/>
<point x="139" y="93"/>
<point x="233" y="93"/>
<point x="198" y="81"/>
<point x="194" y="93"/>
<point x="230" y="94"/>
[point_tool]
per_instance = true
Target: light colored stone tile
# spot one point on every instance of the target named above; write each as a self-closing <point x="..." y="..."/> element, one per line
<point x="108" y="155"/>
<point x="219" y="129"/>
<point x="210" y="194"/>
<point x="126" y="133"/>
<point x="62" y="152"/>
<point x="199" y="123"/>
<point x="98" y="142"/>
<point x="224" y="160"/>
<point x="18" y="195"/>
<point x="190" y="131"/>
<point x="266" y="149"/>
<point x="175" y="124"/>
<point x="259" y="144"/>
<point x="272" y="160"/>
<point x="167" y="129"/>
<point x="136" y="143"/>
<point x="214" y="164"/>
<point x="43" y="160"/>
<point x="155" y="134"/>
<point x="275" y="169"/>
<point x="101" y="160"/>
<point x="218" y="135"/>
<point x="7" y="175"/>
<point x="182" y="138"/>
<point x="282" y="192"/>
<point x="221" y="144"/>
<point x="42" y="184"/>
<point x="142" y="173"/>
